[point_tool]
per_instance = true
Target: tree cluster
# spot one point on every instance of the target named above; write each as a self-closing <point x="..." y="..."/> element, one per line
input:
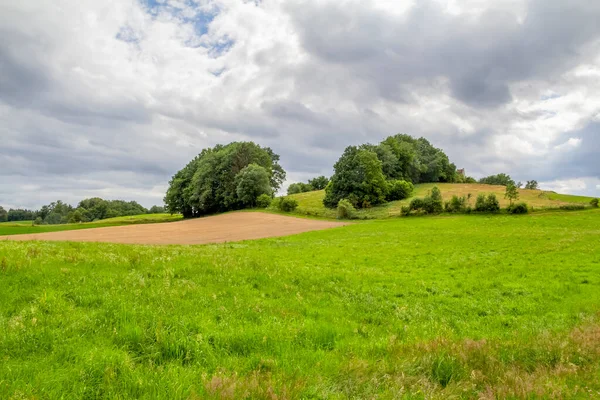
<point x="224" y="178"/>
<point x="318" y="183"/>
<point x="362" y="174"/>
<point x="500" y="180"/>
<point x="87" y="210"/>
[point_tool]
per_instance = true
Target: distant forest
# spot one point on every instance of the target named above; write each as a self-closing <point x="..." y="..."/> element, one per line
<point x="87" y="210"/>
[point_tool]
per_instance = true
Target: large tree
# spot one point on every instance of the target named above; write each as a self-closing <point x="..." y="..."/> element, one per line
<point x="251" y="182"/>
<point x="414" y="160"/>
<point x="209" y="183"/>
<point x="358" y="177"/>
<point x="3" y="214"/>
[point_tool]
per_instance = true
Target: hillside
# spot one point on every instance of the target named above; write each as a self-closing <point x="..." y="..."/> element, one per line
<point x="311" y="203"/>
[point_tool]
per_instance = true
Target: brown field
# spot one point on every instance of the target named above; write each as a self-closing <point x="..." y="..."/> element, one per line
<point x="216" y="229"/>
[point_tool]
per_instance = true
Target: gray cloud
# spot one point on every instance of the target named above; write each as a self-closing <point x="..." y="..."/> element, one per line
<point x="83" y="112"/>
<point x="480" y="56"/>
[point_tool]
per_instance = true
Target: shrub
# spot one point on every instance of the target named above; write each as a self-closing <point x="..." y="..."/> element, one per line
<point x="416" y="204"/>
<point x="38" y="221"/>
<point x="489" y="203"/>
<point x="286" y="204"/>
<point x="518" y="208"/>
<point x="263" y="201"/>
<point x="595" y="202"/>
<point x="480" y="203"/>
<point x="399" y="190"/>
<point x="431" y="204"/>
<point x="345" y="210"/>
<point x="572" y="207"/>
<point x="456" y="204"/>
<point x="492" y="204"/>
<point x="405" y="210"/>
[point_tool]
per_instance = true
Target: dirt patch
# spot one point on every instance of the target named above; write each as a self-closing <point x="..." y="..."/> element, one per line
<point x="217" y="229"/>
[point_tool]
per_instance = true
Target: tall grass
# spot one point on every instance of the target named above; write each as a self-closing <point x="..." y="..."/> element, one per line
<point x="446" y="307"/>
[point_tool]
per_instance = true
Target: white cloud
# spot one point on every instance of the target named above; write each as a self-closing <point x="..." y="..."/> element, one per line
<point x="113" y="97"/>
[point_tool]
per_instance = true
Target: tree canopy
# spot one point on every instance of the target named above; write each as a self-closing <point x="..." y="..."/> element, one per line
<point x="414" y="160"/>
<point x="358" y="177"/>
<point x="500" y="179"/>
<point x="210" y="182"/>
<point x="361" y="173"/>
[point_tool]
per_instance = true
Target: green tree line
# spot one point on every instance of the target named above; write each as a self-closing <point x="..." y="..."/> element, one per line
<point x="87" y="210"/>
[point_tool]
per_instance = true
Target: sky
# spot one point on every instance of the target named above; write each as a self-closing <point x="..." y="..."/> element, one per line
<point x="111" y="98"/>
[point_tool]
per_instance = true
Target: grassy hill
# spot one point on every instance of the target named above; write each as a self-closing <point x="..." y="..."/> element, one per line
<point x="311" y="203"/>
<point x="24" y="227"/>
<point x="443" y="307"/>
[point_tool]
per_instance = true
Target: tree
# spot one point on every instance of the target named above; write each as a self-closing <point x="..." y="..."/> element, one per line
<point x="500" y="179"/>
<point x="512" y="193"/>
<point x="76" y="217"/>
<point x="156" y="210"/>
<point x="252" y="182"/>
<point x="414" y="160"/>
<point x="319" y="183"/>
<point x="299" y="187"/>
<point x="358" y="178"/>
<point x="3" y="214"/>
<point x="532" y="185"/>
<point x="208" y="183"/>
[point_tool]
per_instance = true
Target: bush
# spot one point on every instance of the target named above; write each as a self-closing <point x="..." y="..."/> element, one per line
<point x="405" y="210"/>
<point x="399" y="190"/>
<point x="431" y="204"/>
<point x="263" y="201"/>
<point x="487" y="203"/>
<point x="38" y="221"/>
<point x="572" y="207"/>
<point x="492" y="204"/>
<point x="518" y="208"/>
<point x="480" y="203"/>
<point x="416" y="204"/>
<point x="595" y="202"/>
<point x="345" y="210"/>
<point x="456" y="204"/>
<point x="286" y="204"/>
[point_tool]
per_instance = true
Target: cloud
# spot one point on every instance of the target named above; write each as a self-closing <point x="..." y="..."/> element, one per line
<point x="114" y="97"/>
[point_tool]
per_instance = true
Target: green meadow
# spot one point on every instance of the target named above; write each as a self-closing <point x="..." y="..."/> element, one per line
<point x="311" y="203"/>
<point x="24" y="227"/>
<point x="443" y="307"/>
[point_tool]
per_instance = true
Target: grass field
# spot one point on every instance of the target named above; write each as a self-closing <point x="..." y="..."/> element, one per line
<point x="25" y="227"/>
<point x="440" y="307"/>
<point x="311" y="203"/>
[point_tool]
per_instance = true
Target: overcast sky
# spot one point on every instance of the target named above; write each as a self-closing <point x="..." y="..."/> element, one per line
<point x="110" y="98"/>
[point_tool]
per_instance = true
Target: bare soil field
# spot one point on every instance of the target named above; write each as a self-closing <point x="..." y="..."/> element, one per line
<point x="216" y="229"/>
